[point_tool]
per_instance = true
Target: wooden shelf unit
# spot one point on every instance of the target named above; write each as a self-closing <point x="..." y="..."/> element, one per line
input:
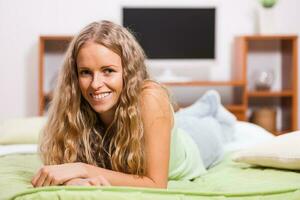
<point x="49" y="44"/>
<point x="253" y="53"/>
<point x="205" y="83"/>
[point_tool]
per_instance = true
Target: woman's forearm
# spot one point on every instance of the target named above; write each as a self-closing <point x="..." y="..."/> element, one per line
<point x="122" y="179"/>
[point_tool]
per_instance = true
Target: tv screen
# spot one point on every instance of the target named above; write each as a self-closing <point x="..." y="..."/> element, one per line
<point x="173" y="33"/>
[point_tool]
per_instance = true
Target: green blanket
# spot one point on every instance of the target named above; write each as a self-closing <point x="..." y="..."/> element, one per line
<point x="228" y="180"/>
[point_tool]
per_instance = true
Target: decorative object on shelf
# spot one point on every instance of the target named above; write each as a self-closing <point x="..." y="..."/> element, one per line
<point x="169" y="76"/>
<point x="266" y="17"/>
<point x="268" y="3"/>
<point x="265" y="117"/>
<point x="263" y="80"/>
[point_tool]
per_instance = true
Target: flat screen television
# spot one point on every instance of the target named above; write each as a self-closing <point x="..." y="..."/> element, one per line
<point x="174" y="33"/>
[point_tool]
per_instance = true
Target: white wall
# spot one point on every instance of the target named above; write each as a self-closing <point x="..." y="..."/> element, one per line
<point x="21" y="23"/>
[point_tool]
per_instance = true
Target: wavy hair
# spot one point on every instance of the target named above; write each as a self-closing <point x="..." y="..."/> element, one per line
<point x="74" y="132"/>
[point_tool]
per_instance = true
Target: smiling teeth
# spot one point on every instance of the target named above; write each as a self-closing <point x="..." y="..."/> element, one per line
<point x="100" y="96"/>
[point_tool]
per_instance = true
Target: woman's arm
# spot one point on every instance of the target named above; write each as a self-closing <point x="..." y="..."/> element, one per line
<point x="95" y="181"/>
<point x="157" y="121"/>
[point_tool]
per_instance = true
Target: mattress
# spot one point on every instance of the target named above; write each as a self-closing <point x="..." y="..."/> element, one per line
<point x="227" y="180"/>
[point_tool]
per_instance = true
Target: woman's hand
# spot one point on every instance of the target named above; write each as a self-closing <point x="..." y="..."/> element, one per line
<point x="95" y="181"/>
<point x="58" y="174"/>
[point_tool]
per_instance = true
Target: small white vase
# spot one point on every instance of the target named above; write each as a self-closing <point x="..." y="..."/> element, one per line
<point x="266" y="21"/>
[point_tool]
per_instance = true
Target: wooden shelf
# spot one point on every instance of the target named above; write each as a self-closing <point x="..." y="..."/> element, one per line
<point x="238" y="110"/>
<point x="233" y="107"/>
<point x="286" y="93"/>
<point x="277" y="133"/>
<point x="270" y="37"/>
<point x="56" y="37"/>
<point x="205" y="83"/>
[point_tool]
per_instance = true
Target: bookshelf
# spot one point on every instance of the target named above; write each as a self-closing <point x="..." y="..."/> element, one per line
<point x="277" y="55"/>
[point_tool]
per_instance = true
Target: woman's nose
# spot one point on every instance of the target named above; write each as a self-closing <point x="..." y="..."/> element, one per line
<point x="97" y="81"/>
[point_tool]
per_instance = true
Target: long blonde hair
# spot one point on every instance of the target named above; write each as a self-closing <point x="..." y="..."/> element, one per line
<point x="74" y="132"/>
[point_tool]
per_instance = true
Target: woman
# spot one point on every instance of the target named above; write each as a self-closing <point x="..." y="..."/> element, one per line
<point x="108" y="123"/>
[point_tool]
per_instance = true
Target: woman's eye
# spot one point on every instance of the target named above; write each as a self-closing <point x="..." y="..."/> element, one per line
<point x="84" y="72"/>
<point x="108" y="71"/>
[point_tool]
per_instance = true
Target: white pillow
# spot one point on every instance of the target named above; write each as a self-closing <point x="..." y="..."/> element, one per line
<point x="247" y="134"/>
<point x="280" y="152"/>
<point x="21" y="130"/>
<point x="247" y="131"/>
<point x="18" y="148"/>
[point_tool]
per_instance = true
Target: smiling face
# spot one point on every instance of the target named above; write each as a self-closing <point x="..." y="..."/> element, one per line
<point x="100" y="78"/>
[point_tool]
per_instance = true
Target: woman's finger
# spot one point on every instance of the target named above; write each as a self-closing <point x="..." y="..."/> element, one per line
<point x="85" y="182"/>
<point x="94" y="182"/>
<point x="35" y="178"/>
<point x="103" y="181"/>
<point x="71" y="182"/>
<point x="41" y="179"/>
<point x="77" y="181"/>
<point x="48" y="180"/>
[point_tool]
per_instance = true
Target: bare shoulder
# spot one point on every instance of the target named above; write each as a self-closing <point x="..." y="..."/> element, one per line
<point x="155" y="89"/>
<point x="154" y="93"/>
<point x="154" y="101"/>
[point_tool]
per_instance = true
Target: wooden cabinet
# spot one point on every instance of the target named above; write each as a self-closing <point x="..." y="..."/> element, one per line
<point x="252" y="55"/>
<point x="268" y="65"/>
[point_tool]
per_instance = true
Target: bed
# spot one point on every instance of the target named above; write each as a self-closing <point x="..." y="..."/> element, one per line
<point x="226" y="180"/>
<point x="274" y="176"/>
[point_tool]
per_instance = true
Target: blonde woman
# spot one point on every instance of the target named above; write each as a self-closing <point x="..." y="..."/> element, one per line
<point x="108" y="123"/>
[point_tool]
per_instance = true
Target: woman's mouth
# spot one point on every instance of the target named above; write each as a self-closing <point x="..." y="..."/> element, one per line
<point x="101" y="96"/>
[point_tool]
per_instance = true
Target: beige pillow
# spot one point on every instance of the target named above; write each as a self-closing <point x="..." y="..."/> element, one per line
<point x="21" y="130"/>
<point x="279" y="152"/>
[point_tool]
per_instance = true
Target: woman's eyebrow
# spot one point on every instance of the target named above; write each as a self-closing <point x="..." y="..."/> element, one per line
<point x="110" y="66"/>
<point x="83" y="68"/>
<point x="100" y="67"/>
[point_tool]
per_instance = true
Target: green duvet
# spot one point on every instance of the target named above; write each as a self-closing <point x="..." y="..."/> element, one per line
<point x="228" y="180"/>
